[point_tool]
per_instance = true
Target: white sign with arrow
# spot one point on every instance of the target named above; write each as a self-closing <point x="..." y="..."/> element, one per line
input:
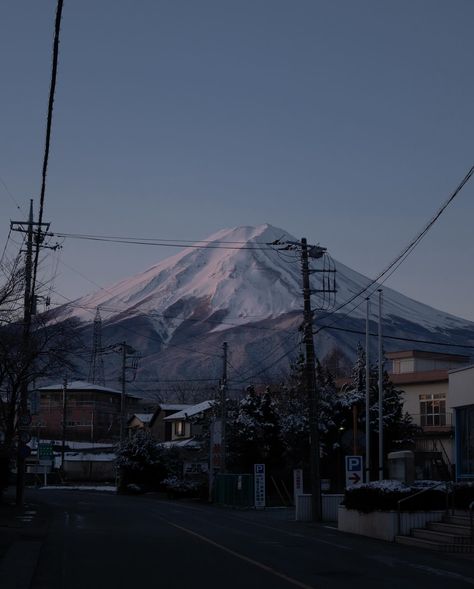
<point x="353" y="471"/>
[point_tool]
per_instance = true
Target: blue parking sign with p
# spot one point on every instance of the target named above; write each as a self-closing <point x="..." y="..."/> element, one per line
<point x="353" y="463"/>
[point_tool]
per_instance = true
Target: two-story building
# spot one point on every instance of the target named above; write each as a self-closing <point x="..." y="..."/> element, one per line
<point x="92" y="412"/>
<point x="424" y="378"/>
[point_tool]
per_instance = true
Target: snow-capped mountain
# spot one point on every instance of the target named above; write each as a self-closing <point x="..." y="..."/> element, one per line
<point x="240" y="289"/>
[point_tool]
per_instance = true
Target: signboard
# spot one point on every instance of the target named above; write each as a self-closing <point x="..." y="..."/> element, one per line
<point x="45" y="451"/>
<point x="193" y="468"/>
<point x="353" y="471"/>
<point x="297" y="483"/>
<point x="259" y="485"/>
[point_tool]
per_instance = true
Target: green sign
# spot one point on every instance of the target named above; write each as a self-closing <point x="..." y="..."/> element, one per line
<point x="45" y="451"/>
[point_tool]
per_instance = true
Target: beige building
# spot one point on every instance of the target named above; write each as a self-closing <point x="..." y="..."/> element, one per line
<point x="461" y="402"/>
<point x="423" y="376"/>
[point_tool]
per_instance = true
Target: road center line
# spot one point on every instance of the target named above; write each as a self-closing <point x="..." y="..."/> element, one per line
<point x="256" y="563"/>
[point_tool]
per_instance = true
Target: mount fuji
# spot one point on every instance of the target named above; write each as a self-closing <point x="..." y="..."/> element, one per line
<point x="236" y="287"/>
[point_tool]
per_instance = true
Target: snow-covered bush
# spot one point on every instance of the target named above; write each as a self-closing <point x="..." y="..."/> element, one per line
<point x="142" y="461"/>
<point x="177" y="487"/>
<point x="385" y="495"/>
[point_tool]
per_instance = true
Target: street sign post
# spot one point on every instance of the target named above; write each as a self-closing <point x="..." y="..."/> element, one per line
<point x="259" y="485"/>
<point x="354" y="469"/>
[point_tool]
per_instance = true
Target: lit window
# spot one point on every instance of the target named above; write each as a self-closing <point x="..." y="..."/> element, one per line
<point x="179" y="428"/>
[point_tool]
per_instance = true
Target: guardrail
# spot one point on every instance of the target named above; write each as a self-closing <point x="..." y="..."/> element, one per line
<point x="400" y="501"/>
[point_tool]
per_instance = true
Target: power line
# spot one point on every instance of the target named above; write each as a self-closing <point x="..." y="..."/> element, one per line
<point x="17" y="204"/>
<point x="181" y="244"/>
<point x="49" y="120"/>
<point x="157" y="239"/>
<point x="398" y="338"/>
<point x="409" y="248"/>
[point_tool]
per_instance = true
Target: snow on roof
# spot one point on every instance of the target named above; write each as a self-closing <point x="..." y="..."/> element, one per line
<point x="190" y="411"/>
<point x="84" y="457"/>
<point x="190" y="443"/>
<point x="82" y="385"/>
<point x="174" y="406"/>
<point x="80" y="445"/>
<point x="144" y="417"/>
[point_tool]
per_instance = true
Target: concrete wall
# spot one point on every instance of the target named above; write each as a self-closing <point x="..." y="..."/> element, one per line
<point x="461" y="388"/>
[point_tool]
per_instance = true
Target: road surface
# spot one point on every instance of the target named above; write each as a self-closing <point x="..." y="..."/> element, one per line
<point x="101" y="541"/>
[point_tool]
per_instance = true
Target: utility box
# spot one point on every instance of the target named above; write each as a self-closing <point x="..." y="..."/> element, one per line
<point x="401" y="466"/>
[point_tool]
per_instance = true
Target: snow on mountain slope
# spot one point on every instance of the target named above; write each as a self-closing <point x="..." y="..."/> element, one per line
<point x="248" y="283"/>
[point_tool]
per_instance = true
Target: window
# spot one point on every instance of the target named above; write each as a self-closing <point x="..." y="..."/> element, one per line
<point x="433" y="410"/>
<point x="179" y="428"/>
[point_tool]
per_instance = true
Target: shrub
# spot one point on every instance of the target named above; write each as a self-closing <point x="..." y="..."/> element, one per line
<point x="177" y="487"/>
<point x="385" y="495"/>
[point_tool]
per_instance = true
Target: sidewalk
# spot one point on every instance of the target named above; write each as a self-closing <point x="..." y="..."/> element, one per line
<point x="22" y="532"/>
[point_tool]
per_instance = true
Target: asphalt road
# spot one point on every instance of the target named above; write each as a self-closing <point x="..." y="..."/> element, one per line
<point x="102" y="541"/>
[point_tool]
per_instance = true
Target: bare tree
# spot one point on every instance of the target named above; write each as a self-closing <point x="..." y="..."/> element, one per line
<point x="45" y="354"/>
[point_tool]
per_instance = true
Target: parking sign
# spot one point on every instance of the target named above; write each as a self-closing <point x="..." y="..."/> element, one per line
<point x="353" y="470"/>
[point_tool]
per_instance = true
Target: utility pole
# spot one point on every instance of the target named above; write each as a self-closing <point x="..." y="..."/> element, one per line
<point x="126" y="351"/>
<point x="27" y="307"/>
<point x="122" y="397"/>
<point x="33" y="230"/>
<point x="311" y="388"/>
<point x="224" y="404"/>
<point x="327" y="293"/>
<point x="367" y="393"/>
<point x="380" y="388"/>
<point x="63" y="437"/>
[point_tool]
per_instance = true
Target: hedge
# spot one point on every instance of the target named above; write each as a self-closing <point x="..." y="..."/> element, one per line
<point x="385" y="495"/>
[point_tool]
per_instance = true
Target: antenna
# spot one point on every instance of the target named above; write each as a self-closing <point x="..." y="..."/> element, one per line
<point x="96" y="366"/>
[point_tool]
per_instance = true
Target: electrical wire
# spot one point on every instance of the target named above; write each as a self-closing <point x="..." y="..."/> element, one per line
<point x="140" y="241"/>
<point x="398" y="338"/>
<point x="49" y="120"/>
<point x="396" y="262"/>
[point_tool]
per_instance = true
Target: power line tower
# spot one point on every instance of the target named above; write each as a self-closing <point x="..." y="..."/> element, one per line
<point x="96" y="366"/>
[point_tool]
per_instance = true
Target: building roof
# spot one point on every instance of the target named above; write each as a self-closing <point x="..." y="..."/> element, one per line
<point x="423" y="354"/>
<point x="82" y="385"/>
<point x="174" y="406"/>
<point x="469" y="367"/>
<point x="190" y="411"/>
<point x="419" y="377"/>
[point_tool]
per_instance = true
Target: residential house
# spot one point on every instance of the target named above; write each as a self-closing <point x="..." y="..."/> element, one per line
<point x="92" y="412"/>
<point x="185" y="423"/>
<point x="161" y="430"/>
<point x="139" y="421"/>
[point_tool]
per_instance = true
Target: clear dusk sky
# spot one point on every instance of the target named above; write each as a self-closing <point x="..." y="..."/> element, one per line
<point x="347" y="121"/>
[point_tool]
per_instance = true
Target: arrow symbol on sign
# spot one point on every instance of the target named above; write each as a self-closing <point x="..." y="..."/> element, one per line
<point x="355" y="478"/>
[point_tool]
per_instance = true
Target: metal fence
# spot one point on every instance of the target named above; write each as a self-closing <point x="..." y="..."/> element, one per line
<point x="234" y="490"/>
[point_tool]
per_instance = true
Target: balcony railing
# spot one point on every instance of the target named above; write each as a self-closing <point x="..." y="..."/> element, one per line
<point x="434" y="421"/>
